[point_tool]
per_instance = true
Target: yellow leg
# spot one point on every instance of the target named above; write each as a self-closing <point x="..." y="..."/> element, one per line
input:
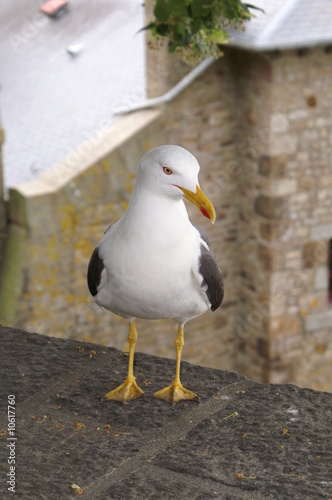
<point x="129" y="389"/>
<point x="176" y="392"/>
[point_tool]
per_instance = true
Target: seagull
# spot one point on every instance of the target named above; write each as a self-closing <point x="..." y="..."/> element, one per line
<point x="154" y="263"/>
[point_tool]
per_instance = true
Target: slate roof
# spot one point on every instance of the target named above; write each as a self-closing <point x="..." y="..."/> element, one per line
<point x="287" y="24"/>
<point x="52" y="101"/>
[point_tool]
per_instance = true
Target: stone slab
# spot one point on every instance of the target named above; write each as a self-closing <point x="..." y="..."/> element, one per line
<point x="243" y="441"/>
<point x="318" y="321"/>
<point x="321" y="232"/>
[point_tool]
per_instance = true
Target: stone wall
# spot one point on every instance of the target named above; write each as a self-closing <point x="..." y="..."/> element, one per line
<point x="260" y="126"/>
<point x="300" y="267"/>
<point x="67" y="210"/>
<point x="285" y="219"/>
<point x="263" y="122"/>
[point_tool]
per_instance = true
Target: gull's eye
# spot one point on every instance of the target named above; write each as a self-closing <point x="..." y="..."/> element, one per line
<point x="167" y="170"/>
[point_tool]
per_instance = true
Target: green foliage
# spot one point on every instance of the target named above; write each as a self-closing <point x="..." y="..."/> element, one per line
<point x="196" y="28"/>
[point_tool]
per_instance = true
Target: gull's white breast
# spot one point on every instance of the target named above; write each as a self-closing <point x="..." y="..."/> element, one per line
<point x="152" y="277"/>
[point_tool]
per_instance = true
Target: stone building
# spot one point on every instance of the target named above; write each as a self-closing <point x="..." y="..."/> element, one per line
<point x="259" y="121"/>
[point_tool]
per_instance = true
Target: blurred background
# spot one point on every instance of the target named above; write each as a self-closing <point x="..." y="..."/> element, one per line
<point x="259" y="120"/>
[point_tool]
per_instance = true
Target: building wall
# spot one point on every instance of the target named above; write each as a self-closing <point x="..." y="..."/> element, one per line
<point x="271" y="181"/>
<point x="285" y="221"/>
<point x="201" y="119"/>
<point x="251" y="74"/>
<point x="301" y="326"/>
<point x="260" y="126"/>
<point x="83" y="199"/>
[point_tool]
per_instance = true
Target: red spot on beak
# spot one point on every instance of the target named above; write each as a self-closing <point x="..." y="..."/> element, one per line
<point x="205" y="212"/>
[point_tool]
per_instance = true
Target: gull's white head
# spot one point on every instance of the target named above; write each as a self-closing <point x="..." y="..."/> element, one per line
<point x="173" y="172"/>
<point x="165" y="167"/>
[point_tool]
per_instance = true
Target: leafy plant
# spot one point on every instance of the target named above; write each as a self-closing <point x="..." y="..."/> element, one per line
<point x="195" y="29"/>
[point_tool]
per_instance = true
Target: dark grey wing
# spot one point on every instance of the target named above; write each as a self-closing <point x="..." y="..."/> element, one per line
<point x="211" y="272"/>
<point x="96" y="267"/>
<point x="212" y="277"/>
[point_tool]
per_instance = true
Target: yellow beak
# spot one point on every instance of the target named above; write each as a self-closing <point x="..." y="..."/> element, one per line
<point x="201" y="201"/>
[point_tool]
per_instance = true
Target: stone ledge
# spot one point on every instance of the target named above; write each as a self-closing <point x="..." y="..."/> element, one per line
<point x="243" y="441"/>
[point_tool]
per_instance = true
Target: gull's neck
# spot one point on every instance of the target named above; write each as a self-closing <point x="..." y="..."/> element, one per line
<point x="156" y="212"/>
